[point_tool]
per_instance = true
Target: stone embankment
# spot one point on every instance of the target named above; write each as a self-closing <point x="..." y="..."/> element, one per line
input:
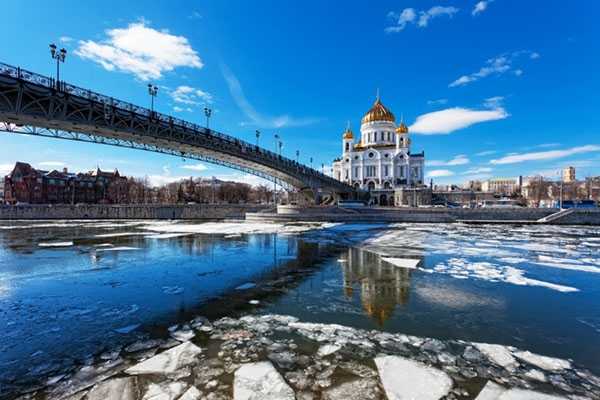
<point x="429" y="215"/>
<point x="149" y="211"/>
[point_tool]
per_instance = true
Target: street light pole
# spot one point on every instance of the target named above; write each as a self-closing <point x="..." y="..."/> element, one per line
<point x="207" y="113"/>
<point x="276" y="137"/>
<point x="297" y="156"/>
<point x="311" y="162"/>
<point x="257" y="137"/>
<point x="561" y="188"/>
<point x="153" y="92"/>
<point x="59" y="56"/>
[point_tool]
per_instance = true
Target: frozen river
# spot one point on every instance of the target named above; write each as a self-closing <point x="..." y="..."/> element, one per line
<point x="70" y="291"/>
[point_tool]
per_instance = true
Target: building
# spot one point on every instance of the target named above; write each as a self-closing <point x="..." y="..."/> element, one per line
<point x="501" y="186"/>
<point x="381" y="160"/>
<point x="28" y="185"/>
<point x="1" y="190"/>
<point x="568" y="175"/>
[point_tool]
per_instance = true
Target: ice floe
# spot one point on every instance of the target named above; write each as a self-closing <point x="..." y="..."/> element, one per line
<point x="405" y="379"/>
<point x="498" y="354"/>
<point x="493" y="391"/>
<point x="56" y="244"/>
<point x="260" y="381"/>
<point x="544" y="362"/>
<point x="114" y="389"/>
<point x="168" y="361"/>
<point x="164" y="391"/>
<point x="409" y="263"/>
<point x="117" y="248"/>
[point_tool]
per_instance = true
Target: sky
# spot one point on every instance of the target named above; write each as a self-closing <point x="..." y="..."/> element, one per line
<point x="495" y="88"/>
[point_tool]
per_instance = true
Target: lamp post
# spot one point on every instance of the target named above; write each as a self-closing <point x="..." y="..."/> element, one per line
<point x="207" y="113"/>
<point x="280" y="145"/>
<point x="311" y="162"/>
<point x="561" y="188"/>
<point x="153" y="92"/>
<point x="297" y="156"/>
<point x="59" y="56"/>
<point x="257" y="137"/>
<point x="277" y="141"/>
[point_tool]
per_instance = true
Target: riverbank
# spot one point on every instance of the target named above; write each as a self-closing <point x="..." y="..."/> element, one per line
<point x="429" y="215"/>
<point x="142" y="211"/>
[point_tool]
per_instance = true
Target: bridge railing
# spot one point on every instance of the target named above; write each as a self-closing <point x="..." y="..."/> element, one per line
<point x="61" y="86"/>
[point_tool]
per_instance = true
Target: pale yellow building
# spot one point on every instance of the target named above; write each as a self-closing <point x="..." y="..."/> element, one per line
<point x="568" y="175"/>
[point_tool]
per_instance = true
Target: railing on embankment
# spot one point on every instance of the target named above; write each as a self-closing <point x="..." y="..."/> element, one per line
<point x="138" y="211"/>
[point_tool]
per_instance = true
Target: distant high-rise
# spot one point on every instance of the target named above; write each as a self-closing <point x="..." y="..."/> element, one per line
<point x="568" y="175"/>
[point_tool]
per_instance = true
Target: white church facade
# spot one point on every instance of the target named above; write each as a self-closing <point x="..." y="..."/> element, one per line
<point x="381" y="161"/>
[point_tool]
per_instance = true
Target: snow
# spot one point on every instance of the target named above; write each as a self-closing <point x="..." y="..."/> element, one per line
<point x="499" y="354"/>
<point x="167" y="235"/>
<point x="56" y="244"/>
<point x="544" y="362"/>
<point x="254" y="302"/>
<point x="410" y="263"/>
<point x="168" y="361"/>
<point x="232" y="228"/>
<point x="491" y="391"/>
<point x="260" y="381"/>
<point x="404" y="379"/>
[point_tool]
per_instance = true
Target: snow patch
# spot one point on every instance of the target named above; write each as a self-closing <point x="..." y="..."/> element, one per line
<point x="544" y="362"/>
<point x="56" y="244"/>
<point x="409" y="263"/>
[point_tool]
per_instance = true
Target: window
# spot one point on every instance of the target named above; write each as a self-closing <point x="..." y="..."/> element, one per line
<point x="371" y="155"/>
<point x="371" y="171"/>
<point x="345" y="174"/>
<point x="347" y="146"/>
<point x="385" y="170"/>
<point x="356" y="172"/>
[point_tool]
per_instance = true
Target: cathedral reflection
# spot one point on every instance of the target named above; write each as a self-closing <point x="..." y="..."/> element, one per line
<point x="382" y="285"/>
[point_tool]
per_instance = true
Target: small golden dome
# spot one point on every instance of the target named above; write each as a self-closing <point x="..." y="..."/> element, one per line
<point x="378" y="113"/>
<point x="348" y="134"/>
<point x="402" y="128"/>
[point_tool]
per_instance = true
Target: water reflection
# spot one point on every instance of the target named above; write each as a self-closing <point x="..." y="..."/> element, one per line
<point x="383" y="286"/>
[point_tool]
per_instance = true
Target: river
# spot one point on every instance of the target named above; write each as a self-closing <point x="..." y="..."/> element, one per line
<point x="70" y="290"/>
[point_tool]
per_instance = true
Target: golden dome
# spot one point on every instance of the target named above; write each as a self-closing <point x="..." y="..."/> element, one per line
<point x="402" y="128"/>
<point x="378" y="113"/>
<point x="348" y="134"/>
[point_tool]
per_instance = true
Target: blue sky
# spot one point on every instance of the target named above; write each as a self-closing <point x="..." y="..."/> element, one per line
<point x="488" y="88"/>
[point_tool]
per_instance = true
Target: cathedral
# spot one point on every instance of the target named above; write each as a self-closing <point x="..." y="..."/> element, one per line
<point x="380" y="161"/>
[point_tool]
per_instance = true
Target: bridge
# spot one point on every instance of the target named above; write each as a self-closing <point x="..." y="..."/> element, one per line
<point x="33" y="104"/>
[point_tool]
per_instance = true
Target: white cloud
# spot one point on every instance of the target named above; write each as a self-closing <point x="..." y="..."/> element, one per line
<point x="452" y="119"/>
<point x="195" y="15"/>
<point x="486" y="153"/>
<point x="480" y="170"/>
<point x="439" y="173"/>
<point x="545" y="155"/>
<point x="189" y="95"/>
<point x="437" y="102"/>
<point x="195" y="167"/>
<point x="494" y="66"/>
<point x="143" y="51"/>
<point x="409" y="16"/>
<point x="51" y="164"/>
<point x="460" y="159"/>
<point x="434" y="12"/>
<point x="5" y="169"/>
<point x="534" y="55"/>
<point x="480" y="7"/>
<point x="160" y="180"/>
<point x="257" y="119"/>
<point x="65" y="39"/>
<point x="493" y="102"/>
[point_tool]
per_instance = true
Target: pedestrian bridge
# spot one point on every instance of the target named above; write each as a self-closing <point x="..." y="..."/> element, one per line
<point x="33" y="104"/>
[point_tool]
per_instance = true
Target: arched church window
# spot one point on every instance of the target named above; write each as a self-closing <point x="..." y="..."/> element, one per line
<point x="371" y="155"/>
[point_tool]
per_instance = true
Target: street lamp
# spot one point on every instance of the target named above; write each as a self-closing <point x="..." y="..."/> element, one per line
<point x="280" y="145"/>
<point x="311" y="161"/>
<point x="153" y="92"/>
<point x="59" y="56"/>
<point x="297" y="156"/>
<point x="257" y="137"/>
<point x="207" y="113"/>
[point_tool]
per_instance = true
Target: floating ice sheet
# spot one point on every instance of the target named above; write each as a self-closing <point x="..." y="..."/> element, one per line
<point x="260" y="380"/>
<point x="56" y="244"/>
<point x="409" y="263"/>
<point x="168" y="361"/>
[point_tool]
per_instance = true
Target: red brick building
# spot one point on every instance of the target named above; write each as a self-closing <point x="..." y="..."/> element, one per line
<point x="28" y="185"/>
